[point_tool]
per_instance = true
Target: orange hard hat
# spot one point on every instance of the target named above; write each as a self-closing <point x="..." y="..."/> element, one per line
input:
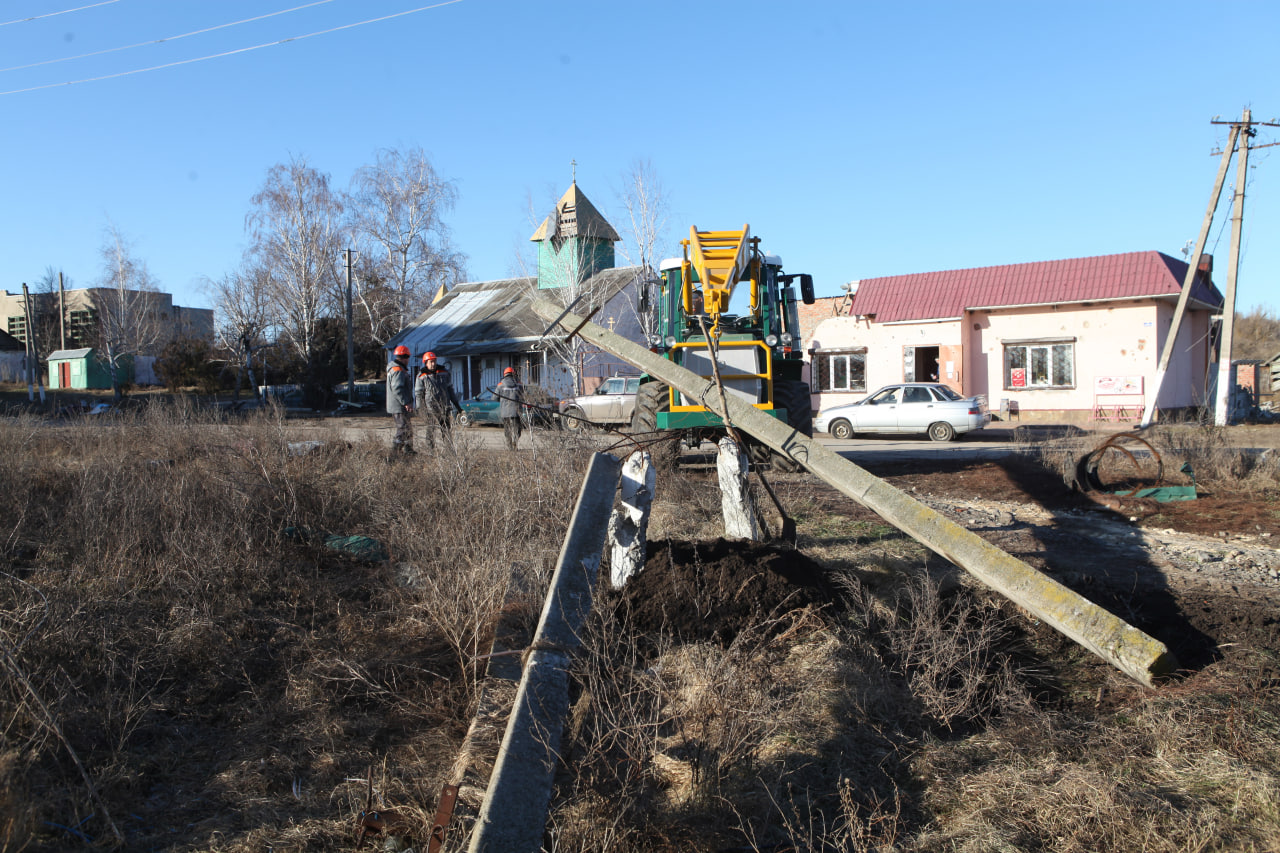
<point x="509" y="371"/>
<point x="402" y="351"/>
<point x="426" y="356"/>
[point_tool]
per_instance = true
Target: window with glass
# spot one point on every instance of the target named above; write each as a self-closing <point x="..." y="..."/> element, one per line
<point x="1049" y="364"/>
<point x="840" y="370"/>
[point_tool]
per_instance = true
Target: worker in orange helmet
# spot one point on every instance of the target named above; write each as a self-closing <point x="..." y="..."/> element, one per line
<point x="436" y="398"/>
<point x="511" y="394"/>
<point x="400" y="402"/>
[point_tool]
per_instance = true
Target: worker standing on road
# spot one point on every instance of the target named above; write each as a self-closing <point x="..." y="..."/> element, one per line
<point x="400" y="402"/>
<point x="511" y="394"/>
<point x="436" y="398"/>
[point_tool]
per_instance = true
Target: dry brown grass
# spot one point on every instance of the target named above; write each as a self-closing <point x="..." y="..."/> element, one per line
<point x="182" y="671"/>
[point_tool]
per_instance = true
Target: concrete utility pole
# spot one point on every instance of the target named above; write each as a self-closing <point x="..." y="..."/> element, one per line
<point x="33" y="352"/>
<point x="1192" y="271"/>
<point x="1222" y="408"/>
<point x="351" y="351"/>
<point x="62" y="310"/>
<point x="1240" y="133"/>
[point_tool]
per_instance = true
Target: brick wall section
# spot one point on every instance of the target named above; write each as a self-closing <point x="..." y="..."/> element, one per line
<point x="811" y="315"/>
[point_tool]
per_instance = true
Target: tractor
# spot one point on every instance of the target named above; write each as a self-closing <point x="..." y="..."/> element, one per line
<point x="757" y="352"/>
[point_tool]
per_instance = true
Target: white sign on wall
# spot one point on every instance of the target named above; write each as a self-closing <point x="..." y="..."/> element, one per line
<point x="1117" y="385"/>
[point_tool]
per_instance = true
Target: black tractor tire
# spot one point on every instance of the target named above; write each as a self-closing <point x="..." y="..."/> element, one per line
<point x="794" y="397"/>
<point x="652" y="398"/>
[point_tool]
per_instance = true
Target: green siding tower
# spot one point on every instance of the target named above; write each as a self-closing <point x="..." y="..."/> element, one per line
<point x="574" y="243"/>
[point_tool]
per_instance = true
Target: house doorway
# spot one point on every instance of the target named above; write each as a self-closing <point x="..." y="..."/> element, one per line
<point x="920" y="364"/>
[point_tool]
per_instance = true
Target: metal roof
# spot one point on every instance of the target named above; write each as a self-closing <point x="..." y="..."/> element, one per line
<point x="64" y="354"/>
<point x="948" y="294"/>
<point x="575" y="215"/>
<point x="495" y="316"/>
<point x="9" y="342"/>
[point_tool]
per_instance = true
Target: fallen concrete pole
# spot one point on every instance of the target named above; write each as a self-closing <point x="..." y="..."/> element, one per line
<point x="1128" y="649"/>
<point x="514" y="815"/>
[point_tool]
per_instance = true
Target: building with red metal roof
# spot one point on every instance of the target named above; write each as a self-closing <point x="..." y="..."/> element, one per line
<point x="1071" y="339"/>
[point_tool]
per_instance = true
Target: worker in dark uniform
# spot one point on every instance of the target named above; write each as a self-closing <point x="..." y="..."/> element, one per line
<point x="436" y="399"/>
<point x="400" y="402"/>
<point x="511" y="396"/>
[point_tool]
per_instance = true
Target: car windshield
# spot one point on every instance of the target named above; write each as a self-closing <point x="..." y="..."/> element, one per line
<point x="946" y="393"/>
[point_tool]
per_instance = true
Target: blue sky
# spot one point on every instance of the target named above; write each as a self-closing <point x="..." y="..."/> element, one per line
<point x="857" y="139"/>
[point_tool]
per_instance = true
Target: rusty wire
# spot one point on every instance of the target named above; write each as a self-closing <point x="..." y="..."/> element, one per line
<point x="1087" y="479"/>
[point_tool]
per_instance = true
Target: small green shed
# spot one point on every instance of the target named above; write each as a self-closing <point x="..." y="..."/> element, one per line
<point x="81" y="369"/>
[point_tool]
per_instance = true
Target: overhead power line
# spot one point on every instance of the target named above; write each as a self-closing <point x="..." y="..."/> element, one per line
<point x="166" y="39"/>
<point x="230" y="52"/>
<point x="55" y="14"/>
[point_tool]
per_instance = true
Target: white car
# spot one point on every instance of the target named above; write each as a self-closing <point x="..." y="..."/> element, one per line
<point x="612" y="403"/>
<point x="930" y="408"/>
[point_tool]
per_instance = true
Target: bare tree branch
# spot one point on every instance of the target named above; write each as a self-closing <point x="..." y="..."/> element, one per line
<point x="127" y="305"/>
<point x="397" y="213"/>
<point x="297" y="235"/>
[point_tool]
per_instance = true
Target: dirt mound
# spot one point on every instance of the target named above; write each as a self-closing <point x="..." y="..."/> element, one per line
<point x="712" y="591"/>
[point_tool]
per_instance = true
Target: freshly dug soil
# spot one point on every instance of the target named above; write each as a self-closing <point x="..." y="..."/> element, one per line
<point x="712" y="591"/>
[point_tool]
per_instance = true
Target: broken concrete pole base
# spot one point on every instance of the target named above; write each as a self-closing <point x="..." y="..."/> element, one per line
<point x="735" y="498"/>
<point x="629" y="524"/>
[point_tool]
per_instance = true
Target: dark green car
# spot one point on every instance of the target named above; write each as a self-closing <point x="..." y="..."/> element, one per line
<point x="483" y="409"/>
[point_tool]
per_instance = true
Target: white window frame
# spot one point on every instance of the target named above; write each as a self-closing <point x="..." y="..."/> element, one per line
<point x="1042" y="349"/>
<point x="825" y="371"/>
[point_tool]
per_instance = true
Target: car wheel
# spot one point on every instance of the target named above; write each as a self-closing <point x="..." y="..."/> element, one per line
<point x="573" y="419"/>
<point x="465" y="420"/>
<point x="842" y="430"/>
<point x="942" y="431"/>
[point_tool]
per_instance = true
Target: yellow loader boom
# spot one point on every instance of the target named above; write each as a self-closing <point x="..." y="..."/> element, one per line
<point x="720" y="259"/>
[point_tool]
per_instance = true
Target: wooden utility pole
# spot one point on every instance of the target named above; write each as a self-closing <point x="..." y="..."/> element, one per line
<point x="351" y="351"/>
<point x="1222" y="407"/>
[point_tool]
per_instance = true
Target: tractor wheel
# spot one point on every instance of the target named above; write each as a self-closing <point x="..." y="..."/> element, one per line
<point x="794" y="397"/>
<point x="652" y="398"/>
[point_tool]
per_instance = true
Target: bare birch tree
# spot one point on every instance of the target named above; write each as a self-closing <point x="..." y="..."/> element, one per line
<point x="241" y="318"/>
<point x="127" y="306"/>
<point x="296" y="228"/>
<point x="397" y="208"/>
<point x="646" y="237"/>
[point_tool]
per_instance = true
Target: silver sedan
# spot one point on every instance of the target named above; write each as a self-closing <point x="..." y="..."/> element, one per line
<point x="929" y="408"/>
